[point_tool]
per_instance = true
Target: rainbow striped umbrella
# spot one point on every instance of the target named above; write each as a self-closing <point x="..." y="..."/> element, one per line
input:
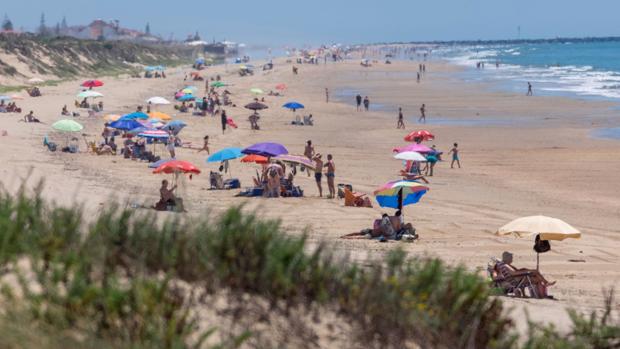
<point x="399" y="193"/>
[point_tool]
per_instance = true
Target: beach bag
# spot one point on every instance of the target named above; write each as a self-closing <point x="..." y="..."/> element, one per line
<point x="541" y="246"/>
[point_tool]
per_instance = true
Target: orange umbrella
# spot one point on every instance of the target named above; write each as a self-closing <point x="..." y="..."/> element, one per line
<point x="160" y="116"/>
<point x="259" y="159"/>
<point x="177" y="166"/>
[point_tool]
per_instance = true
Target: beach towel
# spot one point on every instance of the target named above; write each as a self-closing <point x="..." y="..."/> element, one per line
<point x="231" y="123"/>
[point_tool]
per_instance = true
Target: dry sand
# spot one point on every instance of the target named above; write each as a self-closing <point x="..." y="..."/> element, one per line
<point x="520" y="156"/>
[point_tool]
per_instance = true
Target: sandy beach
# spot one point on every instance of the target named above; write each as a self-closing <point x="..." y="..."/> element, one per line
<point x="521" y="156"/>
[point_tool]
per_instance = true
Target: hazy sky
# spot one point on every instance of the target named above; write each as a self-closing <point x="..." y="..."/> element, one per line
<point x="276" y="22"/>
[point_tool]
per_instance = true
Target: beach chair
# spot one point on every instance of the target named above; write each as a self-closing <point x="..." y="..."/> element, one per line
<point x="503" y="279"/>
<point x="353" y="199"/>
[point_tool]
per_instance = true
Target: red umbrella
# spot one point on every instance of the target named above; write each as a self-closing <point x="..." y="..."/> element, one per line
<point x="177" y="166"/>
<point x="259" y="159"/>
<point x="423" y="134"/>
<point x="281" y="87"/>
<point x="92" y="83"/>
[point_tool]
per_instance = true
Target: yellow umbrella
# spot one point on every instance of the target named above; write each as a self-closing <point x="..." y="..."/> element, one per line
<point x="548" y="228"/>
<point x="159" y="115"/>
<point x="111" y="117"/>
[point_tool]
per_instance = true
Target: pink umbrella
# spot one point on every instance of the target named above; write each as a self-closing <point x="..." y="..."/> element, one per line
<point x="419" y="148"/>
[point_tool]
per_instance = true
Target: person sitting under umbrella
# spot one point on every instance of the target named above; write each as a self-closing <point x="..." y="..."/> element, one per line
<point x="505" y="267"/>
<point x="166" y="197"/>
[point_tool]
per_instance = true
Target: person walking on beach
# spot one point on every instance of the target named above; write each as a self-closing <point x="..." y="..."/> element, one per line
<point x="401" y="122"/>
<point x="418" y="78"/>
<point x="422" y="113"/>
<point x="309" y="152"/>
<point x="331" y="175"/>
<point x="366" y="103"/>
<point x="455" y="155"/>
<point x="318" y="164"/>
<point x="529" y="89"/>
<point x="358" y="100"/>
<point x="224" y="121"/>
<point x="326" y="95"/>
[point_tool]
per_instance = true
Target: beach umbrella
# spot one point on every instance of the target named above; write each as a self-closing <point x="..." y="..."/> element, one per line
<point x="135" y="115"/>
<point x="140" y="129"/>
<point x="546" y="228"/>
<point x="177" y="166"/>
<point x="266" y="149"/>
<point x="66" y="125"/>
<point x="199" y="61"/>
<point x="420" y="148"/>
<point x="225" y="155"/>
<point x="400" y="193"/>
<point x="16" y="97"/>
<point x="126" y="125"/>
<point x="256" y="106"/>
<point x="296" y="159"/>
<point x="154" y="134"/>
<point x="293" y="106"/>
<point x="189" y="89"/>
<point x="36" y="81"/>
<point x="422" y="134"/>
<point x="160" y="116"/>
<point x="256" y="91"/>
<point x="5" y="98"/>
<point x="186" y="98"/>
<point x="92" y="83"/>
<point x="259" y="159"/>
<point x="111" y="117"/>
<point x="157" y="101"/>
<point x="218" y="84"/>
<point x="175" y="126"/>
<point x="281" y="87"/>
<point x="155" y="123"/>
<point x="410" y="156"/>
<point x="89" y="94"/>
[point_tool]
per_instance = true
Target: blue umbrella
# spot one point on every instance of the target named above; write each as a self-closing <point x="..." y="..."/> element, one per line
<point x="175" y="126"/>
<point x="125" y="124"/>
<point x="139" y="130"/>
<point x="293" y="105"/>
<point x="186" y="98"/>
<point x="200" y="61"/>
<point x="135" y="115"/>
<point x="225" y="154"/>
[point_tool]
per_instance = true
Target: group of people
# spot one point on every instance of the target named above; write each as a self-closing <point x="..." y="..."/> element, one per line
<point x="10" y="107"/>
<point x="359" y="101"/>
<point x="387" y="228"/>
<point x="319" y="166"/>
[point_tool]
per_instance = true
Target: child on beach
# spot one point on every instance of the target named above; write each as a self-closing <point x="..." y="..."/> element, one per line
<point x="455" y="156"/>
<point x="401" y="122"/>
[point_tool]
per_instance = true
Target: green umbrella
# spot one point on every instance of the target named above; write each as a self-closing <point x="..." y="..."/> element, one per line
<point x="67" y="125"/>
<point x="218" y="84"/>
<point x="256" y="91"/>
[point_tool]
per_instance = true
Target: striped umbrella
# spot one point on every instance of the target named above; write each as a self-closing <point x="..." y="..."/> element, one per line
<point x="399" y="193"/>
<point x="296" y="159"/>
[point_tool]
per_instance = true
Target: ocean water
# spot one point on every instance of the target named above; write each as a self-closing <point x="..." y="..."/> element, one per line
<point x="589" y="69"/>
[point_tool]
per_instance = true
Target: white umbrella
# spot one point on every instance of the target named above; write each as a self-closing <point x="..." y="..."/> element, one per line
<point x="548" y="228"/>
<point x="410" y="156"/>
<point x="157" y="101"/>
<point x="89" y="94"/>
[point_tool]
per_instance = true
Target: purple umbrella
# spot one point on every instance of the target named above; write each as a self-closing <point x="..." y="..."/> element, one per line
<point x="266" y="149"/>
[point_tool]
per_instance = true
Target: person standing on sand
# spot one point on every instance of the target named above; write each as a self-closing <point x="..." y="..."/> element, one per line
<point x="418" y="78"/>
<point x="366" y="103"/>
<point x="326" y="95"/>
<point x="422" y="113"/>
<point x="529" y="89"/>
<point x="224" y="121"/>
<point x="331" y="175"/>
<point x="318" y="164"/>
<point x="358" y="100"/>
<point x="170" y="146"/>
<point x="309" y="152"/>
<point x="455" y="156"/>
<point x="401" y="122"/>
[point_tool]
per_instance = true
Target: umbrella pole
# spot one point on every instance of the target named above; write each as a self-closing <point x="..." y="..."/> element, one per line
<point x="537" y="260"/>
